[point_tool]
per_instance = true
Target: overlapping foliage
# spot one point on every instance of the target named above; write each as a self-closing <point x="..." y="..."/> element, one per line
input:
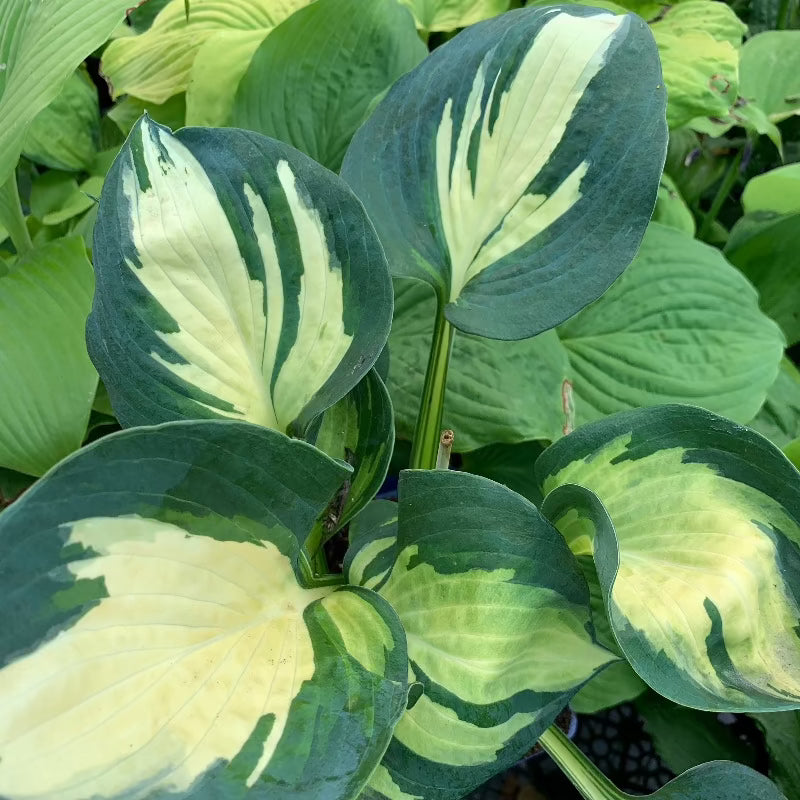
<point x="201" y="595"/>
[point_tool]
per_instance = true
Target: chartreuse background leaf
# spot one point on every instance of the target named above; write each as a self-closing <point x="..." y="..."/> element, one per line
<point x="495" y="142"/>
<point x="41" y="44"/>
<point x="447" y="15"/>
<point x="694" y="524"/>
<point x="359" y="430"/>
<point x="497" y="618"/>
<point x="235" y="277"/>
<point x="204" y="56"/>
<point x="770" y="72"/>
<point x="311" y="81"/>
<point x="680" y="325"/>
<point x="66" y="134"/>
<point x="745" y="113"/>
<point x="765" y="249"/>
<point x="172" y="113"/>
<point x="792" y="452"/>
<point x="143" y="16"/>
<point x="12" y="221"/>
<point x="496" y="391"/>
<point x="698" y="43"/>
<point x="157" y="640"/>
<point x="48" y="382"/>
<point x="777" y="190"/>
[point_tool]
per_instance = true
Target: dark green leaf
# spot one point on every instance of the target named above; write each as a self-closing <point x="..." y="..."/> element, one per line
<point x="311" y="80"/>
<point x="765" y="249"/>
<point x="66" y="134"/>
<point x="782" y="733"/>
<point x="685" y="738"/>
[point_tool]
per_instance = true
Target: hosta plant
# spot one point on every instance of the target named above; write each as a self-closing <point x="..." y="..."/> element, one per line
<point x="172" y="625"/>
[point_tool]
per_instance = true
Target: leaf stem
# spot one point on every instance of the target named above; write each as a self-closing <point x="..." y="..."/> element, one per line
<point x="427" y="432"/>
<point x="445" y="449"/>
<point x="12" y="218"/>
<point x="728" y="182"/>
<point x="584" y="775"/>
<point x="315" y="569"/>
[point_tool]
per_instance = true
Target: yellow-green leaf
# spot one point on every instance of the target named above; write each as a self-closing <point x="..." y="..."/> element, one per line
<point x="41" y="44"/>
<point x="218" y="35"/>
<point x="48" y="383"/>
<point x="447" y="15"/>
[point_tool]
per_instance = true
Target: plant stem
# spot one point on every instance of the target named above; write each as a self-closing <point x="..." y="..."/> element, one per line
<point x="784" y="15"/>
<point x="11" y="216"/>
<point x="314" y="565"/>
<point x="584" y="775"/>
<point x="429" y="420"/>
<point x="728" y="182"/>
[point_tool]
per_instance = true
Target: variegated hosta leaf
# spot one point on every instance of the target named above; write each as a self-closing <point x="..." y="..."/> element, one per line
<point x="372" y="549"/>
<point x="235" y="277"/>
<point x="719" y="780"/>
<point x="619" y="683"/>
<point x="488" y="176"/>
<point x="497" y="618"/>
<point x="156" y="641"/>
<point x="359" y="430"/>
<point x="696" y="539"/>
